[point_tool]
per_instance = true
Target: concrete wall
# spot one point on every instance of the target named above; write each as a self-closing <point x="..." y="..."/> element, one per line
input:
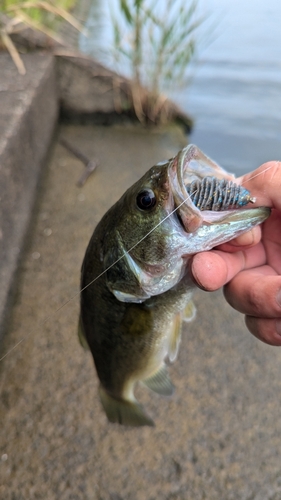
<point x="28" y="115"/>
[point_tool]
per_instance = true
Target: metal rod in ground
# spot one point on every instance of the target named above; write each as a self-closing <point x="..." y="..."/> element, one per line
<point x="89" y="164"/>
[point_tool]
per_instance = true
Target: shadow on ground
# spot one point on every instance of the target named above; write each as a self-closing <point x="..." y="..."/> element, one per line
<point x="219" y="437"/>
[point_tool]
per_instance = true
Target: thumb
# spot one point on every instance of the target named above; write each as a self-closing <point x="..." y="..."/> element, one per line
<point x="264" y="184"/>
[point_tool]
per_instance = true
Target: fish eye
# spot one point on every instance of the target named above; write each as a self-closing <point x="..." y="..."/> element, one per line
<point x="146" y="199"/>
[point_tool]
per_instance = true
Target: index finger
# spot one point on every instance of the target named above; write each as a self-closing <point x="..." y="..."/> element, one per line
<point x="212" y="270"/>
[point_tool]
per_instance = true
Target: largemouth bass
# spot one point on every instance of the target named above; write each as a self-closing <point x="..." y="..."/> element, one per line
<point x="136" y="286"/>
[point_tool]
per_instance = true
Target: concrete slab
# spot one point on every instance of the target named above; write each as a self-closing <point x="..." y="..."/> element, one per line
<point x="219" y="437"/>
<point x="93" y="94"/>
<point x="28" y="113"/>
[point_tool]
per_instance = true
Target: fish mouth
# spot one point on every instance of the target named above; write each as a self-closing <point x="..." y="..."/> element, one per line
<point x="188" y="165"/>
<point x="212" y="226"/>
<point x="221" y="228"/>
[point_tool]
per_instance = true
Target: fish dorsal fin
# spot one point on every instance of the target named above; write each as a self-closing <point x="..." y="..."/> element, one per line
<point x="175" y="337"/>
<point x="189" y="312"/>
<point x="160" y="382"/>
<point x="123" y="411"/>
<point x="81" y="335"/>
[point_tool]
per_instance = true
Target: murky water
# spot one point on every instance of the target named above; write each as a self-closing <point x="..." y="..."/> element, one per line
<point x="235" y="93"/>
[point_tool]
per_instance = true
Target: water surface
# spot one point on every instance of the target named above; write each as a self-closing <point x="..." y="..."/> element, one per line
<point x="235" y="93"/>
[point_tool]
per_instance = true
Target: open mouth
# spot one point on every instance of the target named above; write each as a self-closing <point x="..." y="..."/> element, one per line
<point x="206" y="194"/>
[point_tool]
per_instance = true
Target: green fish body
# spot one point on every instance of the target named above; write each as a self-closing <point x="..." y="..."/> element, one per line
<point x="136" y="287"/>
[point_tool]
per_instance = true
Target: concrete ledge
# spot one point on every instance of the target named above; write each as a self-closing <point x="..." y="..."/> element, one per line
<point x="28" y="114"/>
<point x="87" y="87"/>
<point x="90" y="92"/>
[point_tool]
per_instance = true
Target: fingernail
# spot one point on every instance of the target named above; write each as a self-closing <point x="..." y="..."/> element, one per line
<point x="278" y="326"/>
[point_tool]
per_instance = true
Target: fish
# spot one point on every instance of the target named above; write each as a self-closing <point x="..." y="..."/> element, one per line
<point x="136" y="287"/>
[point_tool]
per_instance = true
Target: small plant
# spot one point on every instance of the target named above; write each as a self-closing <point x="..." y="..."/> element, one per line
<point x="41" y="15"/>
<point x="157" y="41"/>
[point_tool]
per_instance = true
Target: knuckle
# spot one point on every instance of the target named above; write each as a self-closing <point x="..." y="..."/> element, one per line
<point x="264" y="330"/>
<point x="256" y="301"/>
<point x="262" y="298"/>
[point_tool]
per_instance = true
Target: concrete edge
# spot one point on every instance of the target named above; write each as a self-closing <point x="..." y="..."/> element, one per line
<point x="89" y="90"/>
<point x="28" y="126"/>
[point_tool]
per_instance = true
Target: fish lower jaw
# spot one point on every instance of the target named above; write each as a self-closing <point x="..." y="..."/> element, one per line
<point x="258" y="214"/>
<point x="217" y="232"/>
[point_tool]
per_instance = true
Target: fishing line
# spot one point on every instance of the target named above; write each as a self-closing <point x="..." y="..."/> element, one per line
<point x="95" y="279"/>
<point x="60" y="449"/>
<point x="260" y="173"/>
<point x="107" y="269"/>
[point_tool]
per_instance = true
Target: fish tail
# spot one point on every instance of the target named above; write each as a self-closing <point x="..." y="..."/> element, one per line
<point x="122" y="411"/>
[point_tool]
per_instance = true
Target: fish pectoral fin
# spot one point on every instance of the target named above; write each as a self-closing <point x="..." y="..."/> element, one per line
<point x="81" y="335"/>
<point x="189" y="312"/>
<point x="160" y="382"/>
<point x="122" y="411"/>
<point x="188" y="315"/>
<point x="128" y="297"/>
<point x="175" y="337"/>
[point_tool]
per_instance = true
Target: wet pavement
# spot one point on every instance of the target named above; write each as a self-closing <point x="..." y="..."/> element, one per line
<point x="218" y="437"/>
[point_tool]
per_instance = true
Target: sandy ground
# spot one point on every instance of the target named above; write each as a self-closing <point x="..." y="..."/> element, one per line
<point x="218" y="437"/>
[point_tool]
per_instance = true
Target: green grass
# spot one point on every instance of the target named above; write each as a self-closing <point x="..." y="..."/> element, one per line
<point x="158" y="40"/>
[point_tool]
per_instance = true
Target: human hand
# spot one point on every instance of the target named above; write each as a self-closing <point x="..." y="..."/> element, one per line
<point x="250" y="266"/>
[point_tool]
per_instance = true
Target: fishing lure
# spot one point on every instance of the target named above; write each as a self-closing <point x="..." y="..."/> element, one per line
<point x="215" y="194"/>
